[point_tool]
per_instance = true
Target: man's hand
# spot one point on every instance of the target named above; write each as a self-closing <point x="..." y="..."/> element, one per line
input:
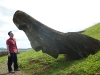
<point x="8" y="54"/>
<point x="17" y="52"/>
<point x="8" y="51"/>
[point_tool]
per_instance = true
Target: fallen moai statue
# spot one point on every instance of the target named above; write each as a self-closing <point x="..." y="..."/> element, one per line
<point x="73" y="44"/>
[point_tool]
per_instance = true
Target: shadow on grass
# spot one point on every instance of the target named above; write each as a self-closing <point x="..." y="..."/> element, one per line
<point x="58" y="66"/>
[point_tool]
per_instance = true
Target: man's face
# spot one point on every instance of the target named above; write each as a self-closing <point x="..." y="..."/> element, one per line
<point x="11" y="34"/>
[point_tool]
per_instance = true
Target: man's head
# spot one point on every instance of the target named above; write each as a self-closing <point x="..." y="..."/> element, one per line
<point x="10" y="34"/>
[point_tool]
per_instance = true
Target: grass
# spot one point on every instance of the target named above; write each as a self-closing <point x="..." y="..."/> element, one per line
<point x="2" y="59"/>
<point x="3" y="53"/>
<point x="3" y="56"/>
<point x="38" y="63"/>
<point x="93" y="31"/>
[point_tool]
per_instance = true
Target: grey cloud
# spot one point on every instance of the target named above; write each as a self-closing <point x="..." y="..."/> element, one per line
<point x="2" y="22"/>
<point x="5" y="11"/>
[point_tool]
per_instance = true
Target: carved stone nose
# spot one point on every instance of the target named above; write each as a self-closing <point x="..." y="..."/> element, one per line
<point x="19" y="19"/>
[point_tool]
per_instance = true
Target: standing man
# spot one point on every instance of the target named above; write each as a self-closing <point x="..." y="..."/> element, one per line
<point x="12" y="52"/>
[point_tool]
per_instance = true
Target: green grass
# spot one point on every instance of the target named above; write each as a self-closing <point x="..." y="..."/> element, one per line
<point x="93" y="31"/>
<point x="35" y="61"/>
<point x="3" y="56"/>
<point x="38" y="63"/>
<point x="2" y="59"/>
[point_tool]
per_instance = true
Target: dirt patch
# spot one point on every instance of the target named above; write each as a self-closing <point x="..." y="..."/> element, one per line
<point x="4" y="70"/>
<point x="33" y="61"/>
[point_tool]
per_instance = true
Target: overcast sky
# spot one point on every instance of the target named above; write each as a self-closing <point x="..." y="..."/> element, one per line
<point x="61" y="15"/>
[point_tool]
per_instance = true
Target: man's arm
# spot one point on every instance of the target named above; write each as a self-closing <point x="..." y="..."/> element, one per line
<point x="16" y="46"/>
<point x="8" y="50"/>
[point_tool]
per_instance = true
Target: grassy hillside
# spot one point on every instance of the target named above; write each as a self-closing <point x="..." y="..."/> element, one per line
<point x="38" y="63"/>
<point x="93" y="31"/>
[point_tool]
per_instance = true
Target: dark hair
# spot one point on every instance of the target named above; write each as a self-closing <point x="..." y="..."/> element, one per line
<point x="9" y="33"/>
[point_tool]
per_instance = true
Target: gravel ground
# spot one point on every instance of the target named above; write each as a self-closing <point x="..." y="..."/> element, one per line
<point x="4" y="70"/>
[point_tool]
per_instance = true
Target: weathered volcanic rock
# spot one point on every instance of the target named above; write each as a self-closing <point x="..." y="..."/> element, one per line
<point x="52" y="42"/>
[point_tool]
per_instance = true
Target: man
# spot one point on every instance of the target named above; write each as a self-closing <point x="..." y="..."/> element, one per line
<point x="12" y="52"/>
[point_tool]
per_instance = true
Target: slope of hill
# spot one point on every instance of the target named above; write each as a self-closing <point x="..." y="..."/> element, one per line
<point x="38" y="63"/>
<point x="93" y="31"/>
